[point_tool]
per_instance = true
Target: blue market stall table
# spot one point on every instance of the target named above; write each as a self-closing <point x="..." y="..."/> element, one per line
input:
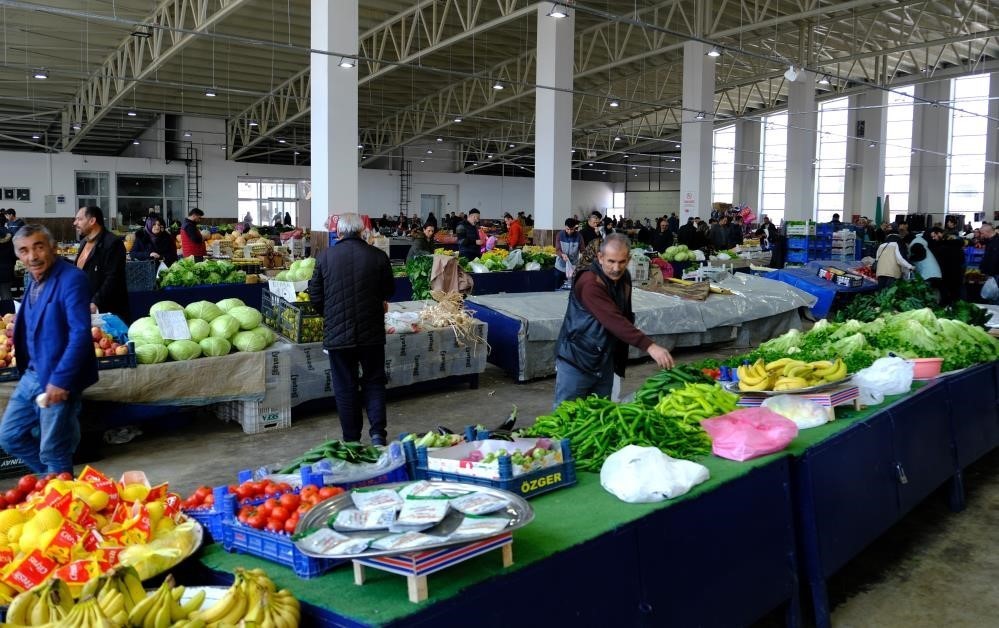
<point x="514" y="281"/>
<point x="824" y="291"/>
<point x="140" y="302"/>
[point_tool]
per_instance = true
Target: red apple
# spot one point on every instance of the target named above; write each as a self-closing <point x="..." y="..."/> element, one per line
<point x="96" y="333"/>
<point x="105" y="344"/>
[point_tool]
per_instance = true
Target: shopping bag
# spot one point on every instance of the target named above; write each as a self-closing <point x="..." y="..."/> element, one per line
<point x="990" y="290"/>
<point x="804" y="412"/>
<point x="644" y="474"/>
<point x="749" y="433"/>
<point x="514" y="260"/>
<point x="570" y="270"/>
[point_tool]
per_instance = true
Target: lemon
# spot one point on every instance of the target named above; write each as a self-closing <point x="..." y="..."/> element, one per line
<point x="135" y="492"/>
<point x="155" y="510"/>
<point x="15" y="532"/>
<point x="98" y="500"/>
<point x="48" y="518"/>
<point x="165" y="525"/>
<point x="45" y="539"/>
<point x="29" y="539"/>
<point x="82" y="491"/>
<point x="10" y="518"/>
<point x="59" y="485"/>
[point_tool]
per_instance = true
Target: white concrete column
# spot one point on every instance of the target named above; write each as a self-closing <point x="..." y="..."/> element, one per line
<point x="748" y="135"/>
<point x="553" y="119"/>
<point x="802" y="120"/>
<point x="696" y="135"/>
<point x="334" y="111"/>
<point x="992" y="153"/>
<point x="865" y="182"/>
<point x="930" y="138"/>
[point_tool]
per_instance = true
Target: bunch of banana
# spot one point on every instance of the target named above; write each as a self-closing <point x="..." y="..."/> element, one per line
<point x="789" y="374"/>
<point x="254" y="600"/>
<point x="49" y="602"/>
<point x="86" y="614"/>
<point x="163" y="609"/>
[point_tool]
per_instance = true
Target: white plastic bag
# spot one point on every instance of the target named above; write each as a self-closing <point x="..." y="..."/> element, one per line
<point x="532" y="266"/>
<point x="514" y="260"/>
<point x="804" y="412"/>
<point x="644" y="474"/>
<point x="478" y="267"/>
<point x="570" y="269"/>
<point x="887" y="376"/>
<point x="990" y="290"/>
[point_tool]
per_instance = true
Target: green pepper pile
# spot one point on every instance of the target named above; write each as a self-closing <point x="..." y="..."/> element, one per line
<point x="351" y="452"/>
<point x="665" y="381"/>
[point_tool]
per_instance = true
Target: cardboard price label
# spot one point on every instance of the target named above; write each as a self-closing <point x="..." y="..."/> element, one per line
<point x="61" y="547"/>
<point x="28" y="571"/>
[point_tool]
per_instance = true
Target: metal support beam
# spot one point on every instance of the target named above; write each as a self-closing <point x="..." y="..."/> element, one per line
<point x="139" y="57"/>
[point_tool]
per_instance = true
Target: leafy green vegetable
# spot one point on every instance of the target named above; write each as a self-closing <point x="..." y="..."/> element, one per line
<point x="224" y="326"/>
<point x="249" y="341"/>
<point x="248" y="317"/>
<point x="144" y="331"/>
<point x="227" y="304"/>
<point x="205" y="310"/>
<point x="418" y="270"/>
<point x="199" y="329"/>
<point x="214" y="347"/>
<point x="151" y="354"/>
<point x="181" y="350"/>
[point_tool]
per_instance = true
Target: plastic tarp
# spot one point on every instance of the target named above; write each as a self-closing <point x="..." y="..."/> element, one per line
<point x="758" y="310"/>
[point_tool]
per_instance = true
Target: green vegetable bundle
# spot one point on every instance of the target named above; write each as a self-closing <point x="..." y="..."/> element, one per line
<point x="418" y="270"/>
<point x="597" y="427"/>
<point x="905" y="296"/>
<point x="186" y="272"/>
<point x="661" y="384"/>
<point x="353" y="453"/>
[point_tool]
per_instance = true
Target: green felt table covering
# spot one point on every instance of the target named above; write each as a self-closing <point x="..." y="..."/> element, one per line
<point x="563" y="519"/>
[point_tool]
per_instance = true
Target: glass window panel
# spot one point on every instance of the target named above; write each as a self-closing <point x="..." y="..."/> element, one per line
<point x="960" y="183"/>
<point x="725" y="187"/>
<point x="899" y="202"/>
<point x="969" y="202"/>
<point x="248" y="189"/>
<point x="831" y="185"/>
<point x="140" y="185"/>
<point x="174" y="187"/>
<point x="824" y="216"/>
<point x="965" y="164"/>
<point x="964" y="127"/>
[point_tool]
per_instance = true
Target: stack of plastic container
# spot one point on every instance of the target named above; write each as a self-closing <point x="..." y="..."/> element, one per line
<point x="844" y="245"/>
<point x="808" y="240"/>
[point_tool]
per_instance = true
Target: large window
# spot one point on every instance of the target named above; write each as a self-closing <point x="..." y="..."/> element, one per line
<point x="93" y="188"/>
<point x="139" y="194"/>
<point x="969" y="126"/>
<point x="898" y="148"/>
<point x="774" y="166"/>
<point x="830" y="172"/>
<point x="268" y="200"/>
<point x="723" y="166"/>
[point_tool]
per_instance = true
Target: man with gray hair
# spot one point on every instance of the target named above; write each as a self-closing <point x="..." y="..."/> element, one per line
<point x="55" y="354"/>
<point x="599" y="325"/>
<point x="351" y="286"/>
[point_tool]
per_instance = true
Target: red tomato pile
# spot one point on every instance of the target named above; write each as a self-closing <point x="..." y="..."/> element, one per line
<point x="201" y="499"/>
<point x="26" y="485"/>
<point x="253" y="490"/>
<point x="281" y="514"/>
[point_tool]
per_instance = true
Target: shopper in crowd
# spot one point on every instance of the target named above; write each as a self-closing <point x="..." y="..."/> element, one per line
<point x="469" y="242"/>
<point x="351" y="286"/>
<point x="287" y="219"/>
<point x="949" y="253"/>
<point x="13" y="222"/>
<point x="837" y="224"/>
<point x="674" y="222"/>
<point x="431" y="220"/>
<point x="718" y="235"/>
<point x="55" y="355"/>
<point x="925" y="262"/>
<point x="515" y="237"/>
<point x="606" y="227"/>
<point x="687" y="233"/>
<point x="590" y="232"/>
<point x="735" y="234"/>
<point x="529" y="221"/>
<point x="102" y="258"/>
<point x="891" y="263"/>
<point x="592" y="345"/>
<point x="423" y="242"/>
<point x="990" y="259"/>
<point x="568" y="245"/>
<point x="976" y="239"/>
<point x="191" y="240"/>
<point x="154" y="242"/>
<point x="950" y="227"/>
<point x="702" y="235"/>
<point x="664" y="237"/>
<point x="903" y="232"/>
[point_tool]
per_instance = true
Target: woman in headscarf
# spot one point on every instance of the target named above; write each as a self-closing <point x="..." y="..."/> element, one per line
<point x="154" y="242"/>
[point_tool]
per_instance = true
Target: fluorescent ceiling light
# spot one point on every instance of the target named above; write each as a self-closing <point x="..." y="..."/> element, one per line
<point x="131" y="113"/>
<point x="77" y="126"/>
<point x="281" y="140"/>
<point x="41" y="74"/>
<point x="254" y="123"/>
<point x="360" y="145"/>
<point x="187" y="134"/>
<point x="346" y="63"/>
<point x="440" y="139"/>
<point x="457" y="120"/>
<point x="210" y="93"/>
<point x="617" y="138"/>
<point x="498" y="86"/>
<point x="714" y="52"/>
<point x="135" y="142"/>
<point x="430" y="152"/>
<point x="557" y="12"/>
<point x="36" y="137"/>
<point x="824" y="80"/>
<point x="614" y="104"/>
<point x="791" y="74"/>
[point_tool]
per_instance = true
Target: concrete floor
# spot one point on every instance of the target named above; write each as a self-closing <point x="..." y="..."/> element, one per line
<point x="935" y="568"/>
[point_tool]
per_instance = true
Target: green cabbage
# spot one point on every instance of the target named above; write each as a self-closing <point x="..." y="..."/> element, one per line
<point x="151" y="354"/>
<point x="227" y="304"/>
<point x="248" y="317"/>
<point x="213" y="347"/>
<point x="205" y="310"/>
<point x="224" y="326"/>
<point x="282" y="276"/>
<point x="166" y="306"/>
<point x="264" y="332"/>
<point x="181" y="350"/>
<point x="144" y="331"/>
<point x="199" y="329"/>
<point x="249" y="341"/>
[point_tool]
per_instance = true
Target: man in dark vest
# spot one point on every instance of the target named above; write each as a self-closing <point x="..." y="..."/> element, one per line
<point x="599" y="326"/>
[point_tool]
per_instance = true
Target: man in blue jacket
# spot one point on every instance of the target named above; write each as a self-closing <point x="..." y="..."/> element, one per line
<point x="55" y="355"/>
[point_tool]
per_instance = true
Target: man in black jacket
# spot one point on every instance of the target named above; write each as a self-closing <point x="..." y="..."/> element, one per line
<point x="469" y="243"/>
<point x="102" y="258"/>
<point x="351" y="286"/>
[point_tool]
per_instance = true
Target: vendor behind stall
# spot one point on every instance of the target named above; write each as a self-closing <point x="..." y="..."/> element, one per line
<point x="102" y="258"/>
<point x="191" y="240"/>
<point x="423" y="242"/>
<point x="515" y="237"/>
<point x="154" y="242"/>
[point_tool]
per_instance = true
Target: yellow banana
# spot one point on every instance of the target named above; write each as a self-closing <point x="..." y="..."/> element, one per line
<point x="220" y="609"/>
<point x="19" y="611"/>
<point x="40" y="611"/>
<point x="138" y="613"/>
<point x="761" y="385"/>
<point x="777" y="365"/>
<point x="194" y="604"/>
<point x="238" y="609"/>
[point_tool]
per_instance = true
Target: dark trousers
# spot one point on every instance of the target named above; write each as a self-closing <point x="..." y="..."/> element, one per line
<point x="358" y="374"/>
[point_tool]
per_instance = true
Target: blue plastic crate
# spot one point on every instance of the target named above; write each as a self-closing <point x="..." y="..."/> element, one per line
<point x="126" y="361"/>
<point x="797" y="257"/>
<point x="211" y="519"/>
<point x="10" y="374"/>
<point x="527" y="485"/>
<point x="277" y="548"/>
<point x="797" y="242"/>
<point x="972" y="256"/>
<point x="400" y="474"/>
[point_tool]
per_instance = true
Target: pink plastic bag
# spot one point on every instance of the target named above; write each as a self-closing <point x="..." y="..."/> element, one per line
<point x="749" y="433"/>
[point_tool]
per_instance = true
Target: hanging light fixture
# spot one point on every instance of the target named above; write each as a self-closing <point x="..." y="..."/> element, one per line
<point x="614" y="104"/>
<point x="253" y="123"/>
<point x="498" y="86"/>
<point x="131" y="113"/>
<point x="714" y="52"/>
<point x="824" y="80"/>
<point x="346" y="63"/>
<point x="135" y="142"/>
<point x="458" y="120"/>
<point x="700" y="115"/>
<point x="41" y="74"/>
<point x="558" y="12"/>
<point x="210" y="92"/>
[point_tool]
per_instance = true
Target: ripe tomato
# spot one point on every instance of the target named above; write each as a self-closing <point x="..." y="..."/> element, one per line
<point x="281" y="513"/>
<point x="283" y="487"/>
<point x="233" y="488"/>
<point x="257" y="521"/>
<point x="27" y="483"/>
<point x="3" y="503"/>
<point x="208" y="501"/>
<point x="275" y="525"/>
<point x="245" y="513"/>
<point x="329" y="491"/>
<point x="243" y="492"/>
<point x="40" y="485"/>
<point x="309" y="491"/>
<point x="271" y="490"/>
<point x="253" y="488"/>
<point x="65" y="476"/>
<point x="13" y="496"/>
<point x="289" y="525"/>
<point x="203" y="491"/>
<point x="302" y="509"/>
<point x="290" y="501"/>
